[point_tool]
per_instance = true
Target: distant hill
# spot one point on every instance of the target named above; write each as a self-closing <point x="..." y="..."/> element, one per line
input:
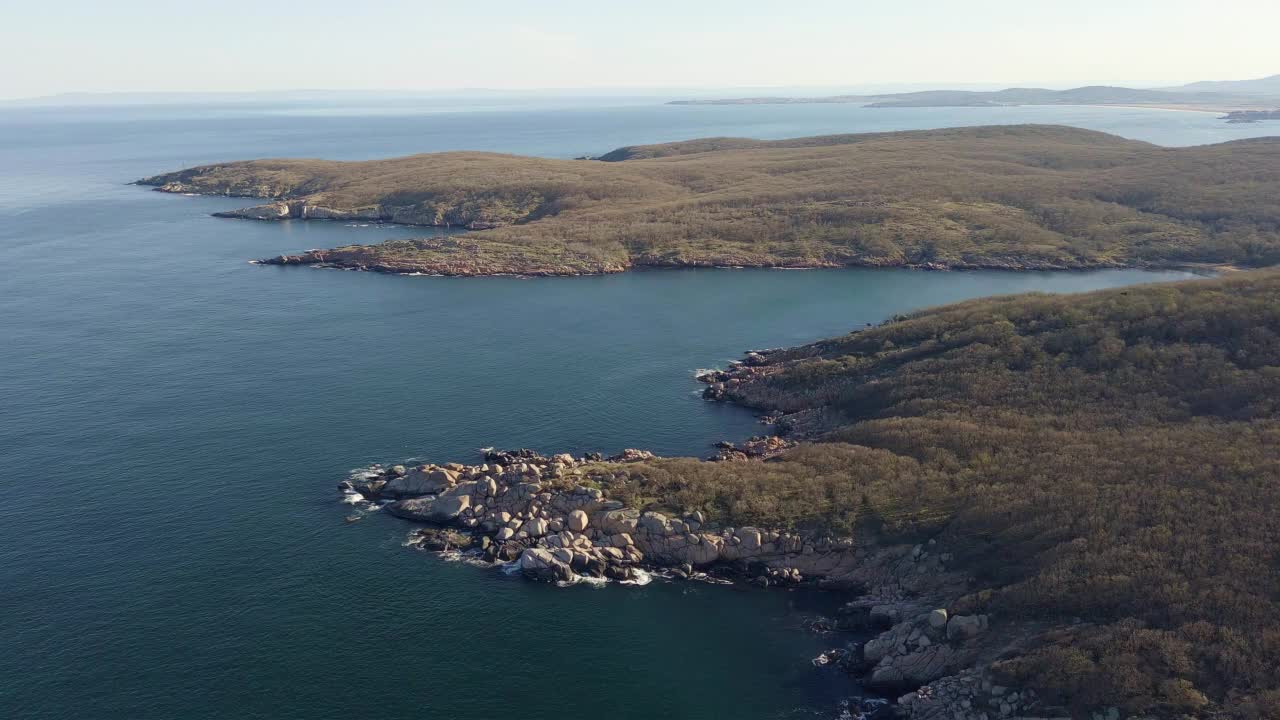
<point x="1262" y="86"/>
<point x="1229" y="97"/>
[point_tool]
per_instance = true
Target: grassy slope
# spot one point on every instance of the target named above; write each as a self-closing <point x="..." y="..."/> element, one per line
<point x="1008" y="196"/>
<point x="1113" y="456"/>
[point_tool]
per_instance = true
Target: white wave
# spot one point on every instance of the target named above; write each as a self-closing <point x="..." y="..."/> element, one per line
<point x="639" y="578"/>
<point x="351" y="497"/>
<point x="710" y="579"/>
<point x="364" y="473"/>
<point x="470" y="557"/>
<point x="864" y="708"/>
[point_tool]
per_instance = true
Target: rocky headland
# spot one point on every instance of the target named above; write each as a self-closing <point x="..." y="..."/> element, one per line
<point x="555" y="520"/>
<point x="1037" y="506"/>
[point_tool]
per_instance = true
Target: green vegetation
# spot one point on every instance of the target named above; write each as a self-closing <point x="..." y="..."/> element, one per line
<point x="1112" y="457"/>
<point x="997" y="197"/>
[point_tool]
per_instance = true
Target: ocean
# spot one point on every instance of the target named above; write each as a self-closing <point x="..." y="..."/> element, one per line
<point x="174" y="420"/>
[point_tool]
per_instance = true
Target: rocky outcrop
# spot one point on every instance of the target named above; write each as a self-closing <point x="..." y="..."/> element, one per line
<point x="1251" y="116"/>
<point x="454" y="255"/>
<point x="971" y="695"/>
<point x="554" y="519"/>
<point x="525" y="501"/>
<point x="420" y="481"/>
<point x="305" y="210"/>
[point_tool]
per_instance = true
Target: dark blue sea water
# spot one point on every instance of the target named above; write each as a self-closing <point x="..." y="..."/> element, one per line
<point x="173" y="421"/>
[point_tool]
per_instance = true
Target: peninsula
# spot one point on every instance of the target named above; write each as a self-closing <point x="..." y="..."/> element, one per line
<point x="1039" y="506"/>
<point x="1010" y="197"/>
<point x="1210" y="96"/>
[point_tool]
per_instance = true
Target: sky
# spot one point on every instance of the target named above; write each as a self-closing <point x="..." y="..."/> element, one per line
<point x="58" y="46"/>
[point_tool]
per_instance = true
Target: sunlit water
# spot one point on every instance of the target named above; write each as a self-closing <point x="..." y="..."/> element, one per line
<point x="173" y="421"/>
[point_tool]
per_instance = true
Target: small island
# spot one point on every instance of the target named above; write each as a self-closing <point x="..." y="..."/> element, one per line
<point x="1037" y="506"/>
<point x="1005" y="197"/>
<point x="1251" y="116"/>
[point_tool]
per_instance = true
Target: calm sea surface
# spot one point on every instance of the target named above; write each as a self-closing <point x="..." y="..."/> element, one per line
<point x="173" y="422"/>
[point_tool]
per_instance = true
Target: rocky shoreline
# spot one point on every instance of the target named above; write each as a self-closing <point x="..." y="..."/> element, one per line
<point x="553" y="519"/>
<point x="461" y="258"/>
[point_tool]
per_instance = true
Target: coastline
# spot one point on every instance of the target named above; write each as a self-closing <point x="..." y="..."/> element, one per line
<point x="1208" y="108"/>
<point x="1019" y="197"/>
<point x="929" y="648"/>
<point x="879" y="485"/>
<point x="318" y="262"/>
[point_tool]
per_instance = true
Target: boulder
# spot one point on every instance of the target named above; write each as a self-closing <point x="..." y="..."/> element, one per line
<point x="963" y="627"/>
<point x="617" y="521"/>
<point x="886" y="680"/>
<point x="654" y="523"/>
<point x="442" y="539"/>
<point x="750" y="538"/>
<point x="449" y="508"/>
<point x="577" y="521"/>
<point x="938" y="619"/>
<point x="540" y="564"/>
<point x="884" y="615"/>
<point x="632" y="455"/>
<point x="537" y="527"/>
<point x="420" y="481"/>
<point x="699" y="554"/>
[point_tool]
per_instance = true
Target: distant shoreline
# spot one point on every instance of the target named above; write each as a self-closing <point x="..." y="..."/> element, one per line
<point x="1170" y="107"/>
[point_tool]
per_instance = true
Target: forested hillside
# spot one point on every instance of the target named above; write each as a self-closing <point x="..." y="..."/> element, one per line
<point x="1012" y="197"/>
<point x="1106" y="463"/>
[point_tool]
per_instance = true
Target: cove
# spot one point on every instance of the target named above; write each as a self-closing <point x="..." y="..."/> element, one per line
<point x="174" y="421"/>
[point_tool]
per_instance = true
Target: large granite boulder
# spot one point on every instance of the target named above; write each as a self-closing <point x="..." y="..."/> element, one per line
<point x="420" y="481"/>
<point x="441" y="509"/>
<point x="541" y="564"/>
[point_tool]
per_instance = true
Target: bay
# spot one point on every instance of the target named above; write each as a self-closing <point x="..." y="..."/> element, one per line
<point x="173" y="421"/>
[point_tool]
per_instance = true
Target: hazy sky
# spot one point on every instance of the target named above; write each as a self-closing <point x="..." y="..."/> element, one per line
<point x="54" y="46"/>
